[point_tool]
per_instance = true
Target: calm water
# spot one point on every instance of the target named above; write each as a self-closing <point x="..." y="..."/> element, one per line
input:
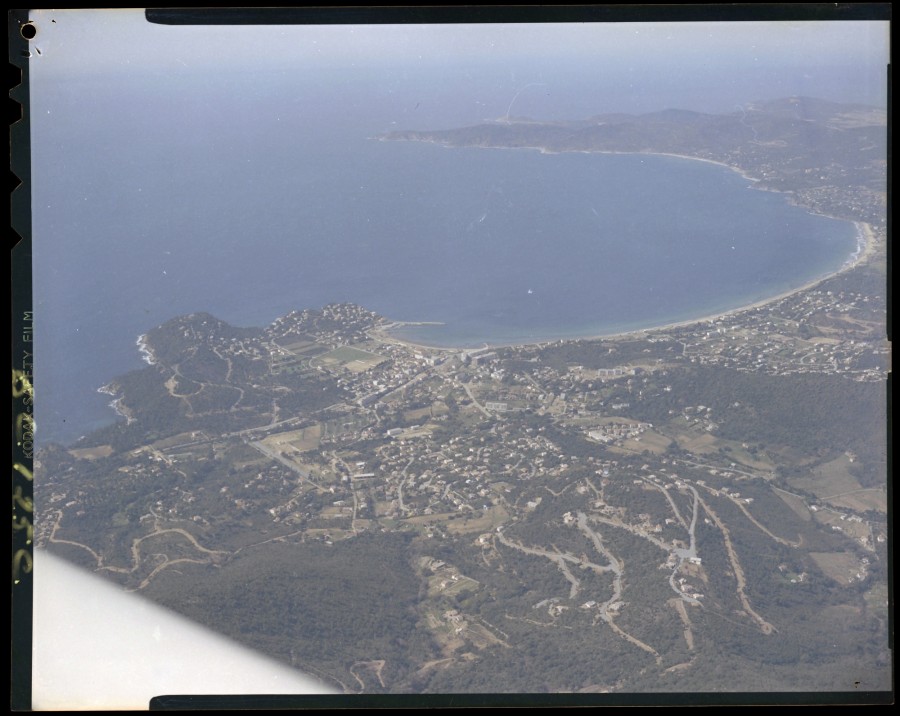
<point x="284" y="201"/>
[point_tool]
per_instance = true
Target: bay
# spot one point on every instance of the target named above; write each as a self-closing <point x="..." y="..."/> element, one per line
<point x="295" y="205"/>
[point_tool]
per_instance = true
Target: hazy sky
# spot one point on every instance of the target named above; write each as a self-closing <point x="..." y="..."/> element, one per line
<point x="79" y="41"/>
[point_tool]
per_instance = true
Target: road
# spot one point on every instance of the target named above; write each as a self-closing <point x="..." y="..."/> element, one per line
<point x="671" y="501"/>
<point x="764" y="626"/>
<point x="400" y="485"/>
<point x="275" y="455"/>
<point x="474" y="400"/>
<point x="617" y="567"/>
<point x="555" y="557"/>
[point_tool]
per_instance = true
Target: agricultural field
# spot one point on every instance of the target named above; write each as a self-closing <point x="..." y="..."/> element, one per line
<point x="301" y="440"/>
<point x="488" y="521"/>
<point x="297" y="355"/>
<point x="92" y="453"/>
<point x="796" y="503"/>
<point x="297" y="344"/>
<point x="180" y="439"/>
<point x="842" y="567"/>
<point x="832" y="482"/>
<point x="862" y="500"/>
<point x="701" y="442"/>
<point x="649" y="440"/>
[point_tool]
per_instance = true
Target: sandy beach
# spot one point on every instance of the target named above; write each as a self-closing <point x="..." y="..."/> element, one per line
<point x="738" y="170"/>
<point x="865" y="249"/>
<point x="864" y="252"/>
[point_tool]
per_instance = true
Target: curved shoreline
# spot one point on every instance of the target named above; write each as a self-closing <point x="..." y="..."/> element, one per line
<point x="864" y="251"/>
<point x="743" y="173"/>
<point x="546" y="150"/>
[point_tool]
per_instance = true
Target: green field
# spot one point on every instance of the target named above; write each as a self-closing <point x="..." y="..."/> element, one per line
<point x="486" y="522"/>
<point x="835" y="484"/>
<point x="872" y="498"/>
<point x="701" y="442"/>
<point x="300" y="352"/>
<point x="301" y="440"/>
<point x="430" y="519"/>
<point x="648" y="440"/>
<point x="350" y="358"/>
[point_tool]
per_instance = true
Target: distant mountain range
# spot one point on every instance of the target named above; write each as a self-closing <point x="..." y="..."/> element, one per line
<point x="831" y="156"/>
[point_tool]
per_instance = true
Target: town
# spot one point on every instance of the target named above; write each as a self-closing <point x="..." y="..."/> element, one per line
<point x="569" y="454"/>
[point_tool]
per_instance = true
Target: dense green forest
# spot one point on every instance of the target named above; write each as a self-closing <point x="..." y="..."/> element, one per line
<point x="319" y="607"/>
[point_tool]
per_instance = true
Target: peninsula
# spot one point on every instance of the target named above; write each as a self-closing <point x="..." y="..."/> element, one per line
<point x="830" y="157"/>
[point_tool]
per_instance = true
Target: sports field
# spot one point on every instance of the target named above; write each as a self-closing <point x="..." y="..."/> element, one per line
<point x="350" y="358"/>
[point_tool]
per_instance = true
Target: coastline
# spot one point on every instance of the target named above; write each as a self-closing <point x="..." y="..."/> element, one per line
<point x="116" y="403"/>
<point x="546" y="150"/>
<point x="743" y="173"/>
<point x="147" y="353"/>
<point x="865" y="249"/>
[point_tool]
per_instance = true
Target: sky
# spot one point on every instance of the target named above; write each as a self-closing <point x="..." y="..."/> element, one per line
<point x="79" y="41"/>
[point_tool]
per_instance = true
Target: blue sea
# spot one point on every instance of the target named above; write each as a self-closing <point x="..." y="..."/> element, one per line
<point x="247" y="197"/>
